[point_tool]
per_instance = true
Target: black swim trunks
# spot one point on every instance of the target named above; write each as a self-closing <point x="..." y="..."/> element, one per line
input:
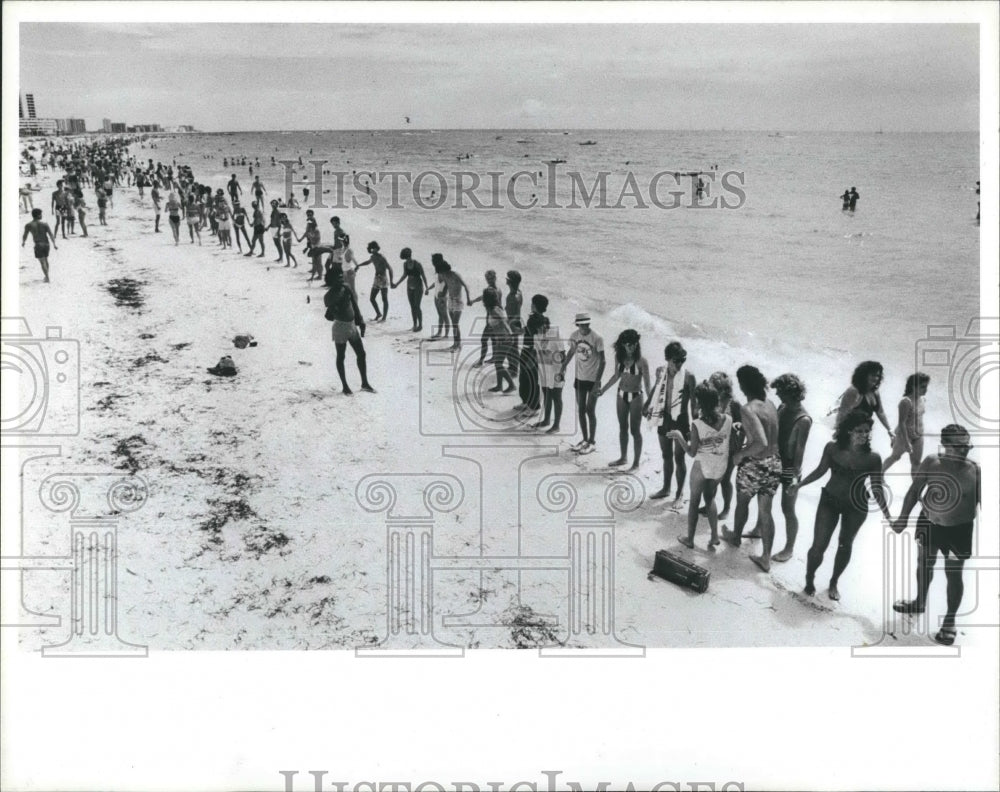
<point x="669" y="424"/>
<point x="41" y="251"/>
<point x="954" y="539"/>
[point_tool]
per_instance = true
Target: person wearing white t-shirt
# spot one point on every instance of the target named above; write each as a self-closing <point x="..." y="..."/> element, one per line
<point x="587" y="348"/>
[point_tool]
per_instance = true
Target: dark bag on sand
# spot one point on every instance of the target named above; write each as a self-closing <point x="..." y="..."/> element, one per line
<point x="244" y="340"/>
<point x="675" y="569"/>
<point x="224" y="368"/>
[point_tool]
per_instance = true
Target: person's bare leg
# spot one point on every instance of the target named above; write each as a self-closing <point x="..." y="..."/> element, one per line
<point x="764" y="505"/>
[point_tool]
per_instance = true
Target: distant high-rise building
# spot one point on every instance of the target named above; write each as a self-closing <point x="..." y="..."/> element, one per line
<point x="118" y="126"/>
<point x="77" y="126"/>
<point x="20" y="107"/>
<point x="106" y="125"/>
<point x="30" y="99"/>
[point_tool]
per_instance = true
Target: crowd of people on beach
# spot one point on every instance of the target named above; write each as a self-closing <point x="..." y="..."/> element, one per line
<point x="739" y="451"/>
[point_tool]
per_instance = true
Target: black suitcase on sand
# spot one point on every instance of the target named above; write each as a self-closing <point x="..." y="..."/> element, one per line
<point x="675" y="569"/>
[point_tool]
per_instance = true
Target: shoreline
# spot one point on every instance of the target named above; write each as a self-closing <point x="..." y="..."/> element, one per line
<point x="252" y="480"/>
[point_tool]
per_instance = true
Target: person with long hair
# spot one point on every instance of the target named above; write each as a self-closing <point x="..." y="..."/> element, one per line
<point x="452" y="285"/>
<point x="342" y="309"/>
<point x="710" y="438"/>
<point x="910" y="429"/>
<point x="863" y="395"/>
<point x="632" y="375"/>
<point x="671" y="406"/>
<point x="851" y="463"/>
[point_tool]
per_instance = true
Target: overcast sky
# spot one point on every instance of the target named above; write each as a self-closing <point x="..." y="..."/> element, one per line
<point x="654" y="76"/>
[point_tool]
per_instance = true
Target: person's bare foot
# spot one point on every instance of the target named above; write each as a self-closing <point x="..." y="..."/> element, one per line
<point x="810" y="588"/>
<point x="677" y="502"/>
<point x="730" y="537"/>
<point x="663" y="493"/>
<point x="834" y="592"/>
<point x="715" y="542"/>
<point x="635" y="465"/>
<point x="784" y="555"/>
<point x="763" y="563"/>
<point x="724" y="514"/>
<point x="617" y="462"/>
<point x="685" y="541"/>
<point x="553" y="430"/>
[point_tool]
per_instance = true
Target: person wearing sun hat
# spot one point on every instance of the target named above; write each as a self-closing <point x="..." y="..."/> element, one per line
<point x="587" y="348"/>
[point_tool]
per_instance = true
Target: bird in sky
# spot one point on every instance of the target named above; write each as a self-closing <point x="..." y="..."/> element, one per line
<point x="407" y="119"/>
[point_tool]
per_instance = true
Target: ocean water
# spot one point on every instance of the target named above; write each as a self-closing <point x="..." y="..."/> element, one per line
<point x="782" y="274"/>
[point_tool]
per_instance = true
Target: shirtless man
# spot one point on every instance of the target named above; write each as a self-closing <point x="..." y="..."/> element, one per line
<point x="794" y="424"/>
<point x="758" y="470"/>
<point x="234" y="189"/>
<point x="59" y="197"/>
<point x="41" y="233"/>
<point x="380" y="284"/>
<point x="945" y="523"/>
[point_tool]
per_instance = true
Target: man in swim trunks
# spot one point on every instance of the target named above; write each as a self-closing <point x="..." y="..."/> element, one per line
<point x="42" y="234"/>
<point x="794" y="424"/>
<point x="758" y="471"/>
<point x="234" y="189"/>
<point x="945" y="523"/>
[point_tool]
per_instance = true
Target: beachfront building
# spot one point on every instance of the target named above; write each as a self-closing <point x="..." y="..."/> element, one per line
<point x="30" y="101"/>
<point x="106" y="125"/>
<point x="71" y="126"/>
<point x="37" y="126"/>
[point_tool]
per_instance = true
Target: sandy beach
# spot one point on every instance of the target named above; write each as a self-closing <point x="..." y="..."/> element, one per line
<point x="260" y="532"/>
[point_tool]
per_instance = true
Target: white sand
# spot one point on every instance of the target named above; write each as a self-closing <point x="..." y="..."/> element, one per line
<point x="299" y="563"/>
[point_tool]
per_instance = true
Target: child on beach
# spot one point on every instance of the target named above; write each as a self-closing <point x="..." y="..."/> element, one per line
<point x="909" y="437"/>
<point x="632" y="374"/>
<point x="844" y="499"/>
<point x="41" y="233"/>
<point x="710" y="436"/>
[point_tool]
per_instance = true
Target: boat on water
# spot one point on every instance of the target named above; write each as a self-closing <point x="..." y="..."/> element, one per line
<point x="588" y="143"/>
<point x="555" y="161"/>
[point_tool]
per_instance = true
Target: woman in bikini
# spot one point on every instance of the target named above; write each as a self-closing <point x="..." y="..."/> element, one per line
<point x="910" y="429"/>
<point x="844" y="499"/>
<point x="632" y="375"/>
<point x="548" y="351"/>
<point x="452" y="285"/>
<point x="863" y="394"/>
<point x="174" y="216"/>
<point x="286" y="241"/>
<point x="711" y="433"/>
